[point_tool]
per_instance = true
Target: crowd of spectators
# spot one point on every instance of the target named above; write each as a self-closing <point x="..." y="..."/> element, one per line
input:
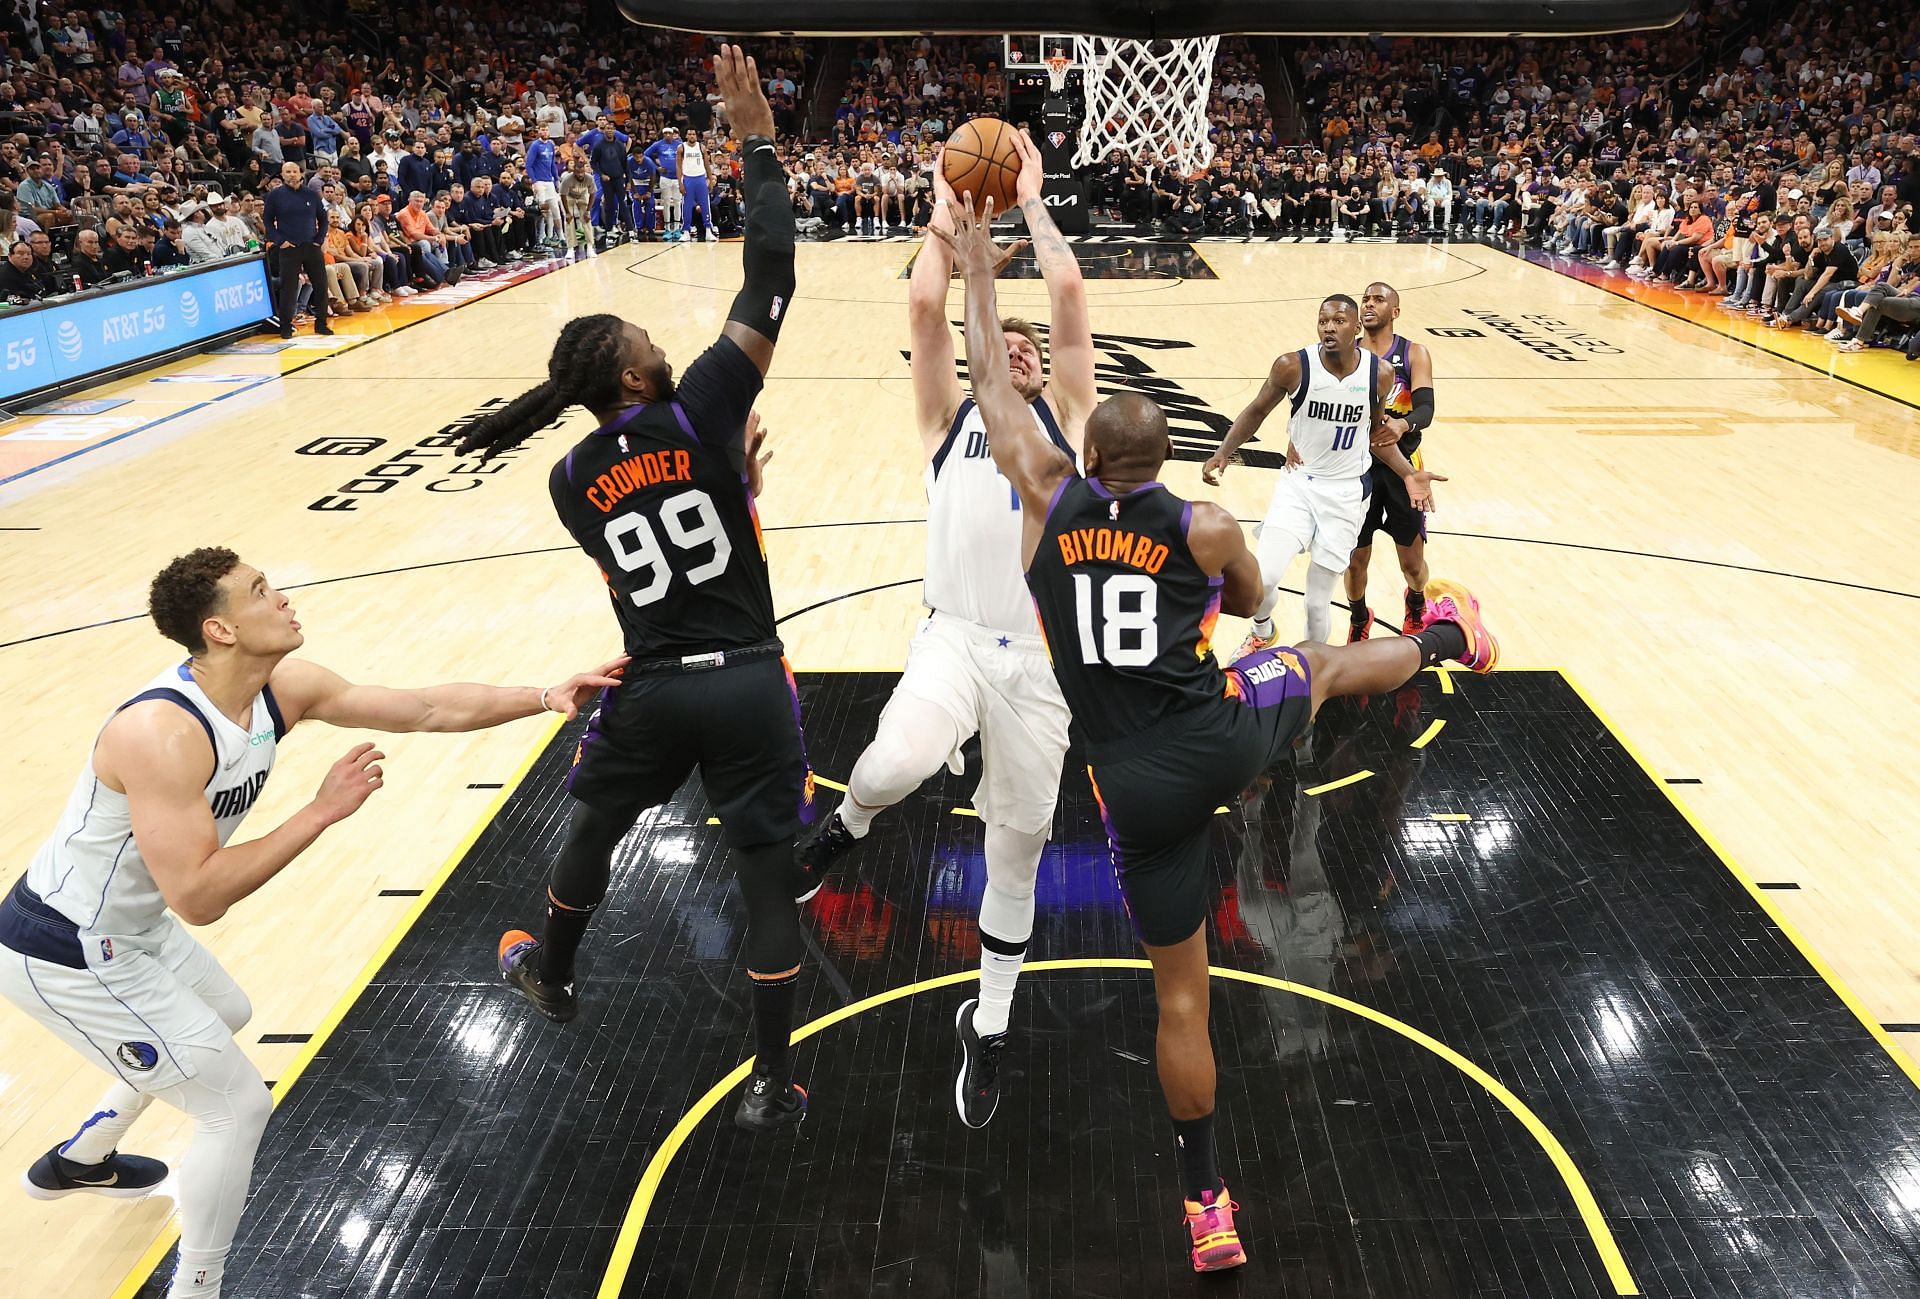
<point x="1765" y="155"/>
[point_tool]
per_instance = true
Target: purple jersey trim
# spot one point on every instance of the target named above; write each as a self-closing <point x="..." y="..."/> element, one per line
<point x="1055" y="498"/>
<point x="686" y="425"/>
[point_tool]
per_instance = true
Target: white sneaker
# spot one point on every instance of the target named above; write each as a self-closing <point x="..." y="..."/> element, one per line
<point x="1615" y="265"/>
<point x="1838" y="334"/>
<point x="711" y="238"/>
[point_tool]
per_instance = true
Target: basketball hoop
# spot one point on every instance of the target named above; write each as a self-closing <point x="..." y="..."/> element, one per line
<point x="1058" y="65"/>
<point x="1146" y="95"/>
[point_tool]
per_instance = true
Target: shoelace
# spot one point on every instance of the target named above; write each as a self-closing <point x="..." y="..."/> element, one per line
<point x="989" y="1069"/>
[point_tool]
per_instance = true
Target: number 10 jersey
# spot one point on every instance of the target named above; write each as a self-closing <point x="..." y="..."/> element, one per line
<point x="1127" y="612"/>
<point x="658" y="499"/>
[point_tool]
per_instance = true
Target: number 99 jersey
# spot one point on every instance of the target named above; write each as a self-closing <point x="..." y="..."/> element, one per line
<point x="1127" y="613"/>
<point x="657" y="498"/>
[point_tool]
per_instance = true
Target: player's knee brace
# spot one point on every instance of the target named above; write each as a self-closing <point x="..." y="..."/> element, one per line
<point x="1013" y="861"/>
<point x="769" y="879"/>
<point x="232" y="1005"/>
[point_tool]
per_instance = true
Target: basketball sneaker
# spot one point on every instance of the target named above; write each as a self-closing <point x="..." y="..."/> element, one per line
<point x="1360" y="630"/>
<point x="120" y="1176"/>
<point x="764" y="1107"/>
<point x="818" y="851"/>
<point x="520" y="966"/>
<point x="1215" y="1245"/>
<point x="1416" y="602"/>
<point x="976" y="1087"/>
<point x="1451" y="602"/>
<point x="1254" y="643"/>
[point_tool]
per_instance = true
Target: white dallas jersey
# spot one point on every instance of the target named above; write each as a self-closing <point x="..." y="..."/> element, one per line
<point x="91" y="872"/>
<point x="1332" y="422"/>
<point x="693" y="163"/>
<point x="973" y="527"/>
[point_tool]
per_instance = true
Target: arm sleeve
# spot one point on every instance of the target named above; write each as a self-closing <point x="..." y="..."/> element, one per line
<point x="768" y="252"/>
<point x="716" y="393"/>
<point x="1422" y="413"/>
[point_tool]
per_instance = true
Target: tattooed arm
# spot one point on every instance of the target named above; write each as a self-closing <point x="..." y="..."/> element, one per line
<point x="1070" y="354"/>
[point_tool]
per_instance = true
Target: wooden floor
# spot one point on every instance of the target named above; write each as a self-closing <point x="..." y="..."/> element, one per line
<point x="1711" y="539"/>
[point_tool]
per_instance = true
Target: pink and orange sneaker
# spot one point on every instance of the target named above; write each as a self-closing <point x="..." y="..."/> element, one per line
<point x="1359" y="631"/>
<point x="1215" y="1244"/>
<point x="1451" y="602"/>
<point x="1254" y="643"/>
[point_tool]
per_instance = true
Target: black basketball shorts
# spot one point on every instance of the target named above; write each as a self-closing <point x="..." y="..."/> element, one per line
<point x="740" y="725"/>
<point x="1158" y="798"/>
<point x="1390" y="511"/>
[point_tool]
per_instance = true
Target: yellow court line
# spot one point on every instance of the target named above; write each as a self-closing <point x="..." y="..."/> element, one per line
<point x="628" y="1240"/>
<point x="1426" y="736"/>
<point x="965" y="811"/>
<point x="1446" y="681"/>
<point x="1759" y="895"/>
<point x="1341" y="783"/>
<point x="819" y="779"/>
<point x="157" y="1252"/>
<point x="1449" y="816"/>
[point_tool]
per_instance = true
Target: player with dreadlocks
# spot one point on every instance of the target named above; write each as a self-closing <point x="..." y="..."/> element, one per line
<point x="660" y="496"/>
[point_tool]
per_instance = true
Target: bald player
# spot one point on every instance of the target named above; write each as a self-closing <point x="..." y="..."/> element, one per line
<point x="1128" y="580"/>
<point x="1408" y="411"/>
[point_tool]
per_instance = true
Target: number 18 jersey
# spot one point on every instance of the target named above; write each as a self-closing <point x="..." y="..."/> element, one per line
<point x="656" y="497"/>
<point x="1127" y="612"/>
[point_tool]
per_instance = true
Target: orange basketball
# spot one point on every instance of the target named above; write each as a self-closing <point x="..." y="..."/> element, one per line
<point x="982" y="159"/>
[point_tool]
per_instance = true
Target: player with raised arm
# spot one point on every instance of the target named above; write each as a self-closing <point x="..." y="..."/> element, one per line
<point x="1128" y="580"/>
<point x="91" y="943"/>
<point x="661" y="497"/>
<point x="977" y="664"/>
<point x="1336" y="431"/>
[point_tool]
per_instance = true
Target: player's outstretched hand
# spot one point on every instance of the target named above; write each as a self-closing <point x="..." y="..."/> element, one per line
<point x="1033" y="171"/>
<point x="746" y="99"/>
<point x="972" y="239"/>
<point x="942" y="188"/>
<point x="757" y="460"/>
<point x="1420" y="488"/>
<point x="349" y="783"/>
<point x="569" y="695"/>
<point x="1216" y="465"/>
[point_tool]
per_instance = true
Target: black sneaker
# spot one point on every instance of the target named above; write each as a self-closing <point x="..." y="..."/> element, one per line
<point x="829" y="842"/>
<point x="976" y="1085"/>
<point x="763" y="1107"/>
<point x="124" y="1177"/>
<point x="520" y="966"/>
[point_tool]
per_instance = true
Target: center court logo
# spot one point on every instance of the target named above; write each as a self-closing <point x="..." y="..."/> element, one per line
<point x="189" y="308"/>
<point x="67" y="338"/>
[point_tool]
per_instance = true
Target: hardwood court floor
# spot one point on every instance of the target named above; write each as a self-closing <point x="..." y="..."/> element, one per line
<point x="1712" y="539"/>
<point x="1493" y="1021"/>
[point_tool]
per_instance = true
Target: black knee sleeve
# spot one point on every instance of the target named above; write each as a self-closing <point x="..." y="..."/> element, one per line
<point x="768" y="882"/>
<point x="580" y="876"/>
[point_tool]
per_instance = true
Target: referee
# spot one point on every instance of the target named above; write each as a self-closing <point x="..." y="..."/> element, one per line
<point x="296" y="221"/>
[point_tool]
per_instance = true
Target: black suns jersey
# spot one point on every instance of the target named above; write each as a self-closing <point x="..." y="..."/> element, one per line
<point x="658" y="499"/>
<point x="1127" y="613"/>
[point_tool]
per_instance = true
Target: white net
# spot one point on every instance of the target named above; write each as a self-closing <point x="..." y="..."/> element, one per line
<point x="1146" y="96"/>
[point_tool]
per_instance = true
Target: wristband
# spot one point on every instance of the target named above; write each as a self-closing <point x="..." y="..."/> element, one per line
<point x="543" y="701"/>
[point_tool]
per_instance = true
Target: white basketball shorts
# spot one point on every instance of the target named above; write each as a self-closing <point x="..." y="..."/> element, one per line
<point x="1319" y="515"/>
<point x="133" y="1015"/>
<point x="1000" y="686"/>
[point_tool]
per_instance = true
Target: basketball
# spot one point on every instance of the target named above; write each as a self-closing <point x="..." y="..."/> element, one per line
<point x="981" y="159"/>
